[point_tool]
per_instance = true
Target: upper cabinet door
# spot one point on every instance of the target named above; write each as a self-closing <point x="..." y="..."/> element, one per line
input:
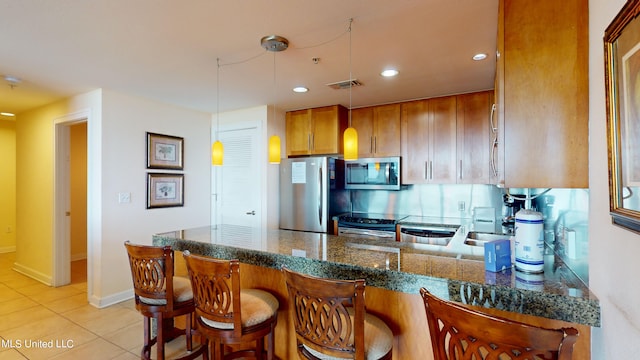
<point x="545" y="88"/>
<point x="415" y="142"/>
<point x="429" y="141"/>
<point x="378" y="130"/>
<point x="316" y="131"/>
<point x="298" y="129"/>
<point x="387" y="130"/>
<point x="362" y="121"/>
<point x="328" y="127"/>
<point x="474" y="138"/>
<point x="442" y="128"/>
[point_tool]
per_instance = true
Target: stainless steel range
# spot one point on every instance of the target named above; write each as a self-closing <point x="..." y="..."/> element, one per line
<point x="369" y="225"/>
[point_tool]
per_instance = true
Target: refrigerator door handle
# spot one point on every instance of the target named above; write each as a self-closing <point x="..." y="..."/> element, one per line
<point x="320" y="195"/>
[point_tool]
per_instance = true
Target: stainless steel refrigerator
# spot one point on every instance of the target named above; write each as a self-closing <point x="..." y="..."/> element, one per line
<point x="311" y="193"/>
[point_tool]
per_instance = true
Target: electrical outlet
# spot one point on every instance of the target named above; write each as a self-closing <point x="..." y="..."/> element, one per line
<point x="124" y="198"/>
<point x="461" y="206"/>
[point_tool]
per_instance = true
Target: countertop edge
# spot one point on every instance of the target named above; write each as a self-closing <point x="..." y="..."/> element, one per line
<point x="528" y="302"/>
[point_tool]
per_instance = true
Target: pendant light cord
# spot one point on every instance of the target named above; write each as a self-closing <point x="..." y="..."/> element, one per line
<point x="217" y="98"/>
<point x="274" y="86"/>
<point x="350" y="73"/>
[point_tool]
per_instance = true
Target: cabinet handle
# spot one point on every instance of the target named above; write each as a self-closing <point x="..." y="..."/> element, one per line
<point x="371" y="145"/>
<point x="430" y="170"/>
<point x="309" y="142"/>
<point x="494" y="128"/>
<point x="375" y="144"/>
<point x="494" y="146"/>
<point x="426" y="170"/>
<point x="460" y="176"/>
<point x="313" y="141"/>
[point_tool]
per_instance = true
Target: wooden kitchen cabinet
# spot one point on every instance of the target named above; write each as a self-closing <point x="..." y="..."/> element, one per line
<point x="378" y="130"/>
<point x="474" y="140"/>
<point x="316" y="131"/>
<point x="429" y="135"/>
<point x="542" y="94"/>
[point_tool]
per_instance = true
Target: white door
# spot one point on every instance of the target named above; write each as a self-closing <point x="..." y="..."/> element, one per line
<point x="238" y="184"/>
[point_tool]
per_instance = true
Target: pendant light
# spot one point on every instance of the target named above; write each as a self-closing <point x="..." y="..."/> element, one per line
<point x="217" y="150"/>
<point x="274" y="140"/>
<point x="274" y="43"/>
<point x="350" y="136"/>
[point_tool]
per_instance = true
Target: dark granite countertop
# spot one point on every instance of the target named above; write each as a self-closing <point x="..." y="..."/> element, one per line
<point x="454" y="272"/>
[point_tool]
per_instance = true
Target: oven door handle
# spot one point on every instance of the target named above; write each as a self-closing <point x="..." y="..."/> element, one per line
<point x="365" y="232"/>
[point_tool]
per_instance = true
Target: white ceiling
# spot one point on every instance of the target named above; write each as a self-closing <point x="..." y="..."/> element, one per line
<point x="167" y="49"/>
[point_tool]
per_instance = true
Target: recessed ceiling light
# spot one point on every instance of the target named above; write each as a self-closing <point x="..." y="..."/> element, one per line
<point x="300" y="89"/>
<point x="389" y="72"/>
<point x="7" y="114"/>
<point x="478" y="57"/>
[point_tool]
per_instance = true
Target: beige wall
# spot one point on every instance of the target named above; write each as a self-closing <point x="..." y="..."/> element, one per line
<point x="125" y="120"/>
<point x="613" y="252"/>
<point x="35" y="132"/>
<point x="7" y="185"/>
<point x="116" y="153"/>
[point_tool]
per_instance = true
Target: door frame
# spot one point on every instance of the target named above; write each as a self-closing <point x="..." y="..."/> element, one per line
<point x="61" y="272"/>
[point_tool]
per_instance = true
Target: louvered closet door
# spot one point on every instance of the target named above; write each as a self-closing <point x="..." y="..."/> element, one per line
<point x="239" y="191"/>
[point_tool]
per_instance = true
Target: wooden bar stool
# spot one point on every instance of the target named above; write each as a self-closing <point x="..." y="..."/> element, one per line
<point x="160" y="295"/>
<point x="464" y="334"/>
<point x="229" y="315"/>
<point x="330" y="319"/>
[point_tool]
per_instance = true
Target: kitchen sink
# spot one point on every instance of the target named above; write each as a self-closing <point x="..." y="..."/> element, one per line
<point x="428" y="234"/>
<point x="476" y="238"/>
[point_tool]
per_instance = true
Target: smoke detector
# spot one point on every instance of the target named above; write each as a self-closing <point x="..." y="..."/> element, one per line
<point x="12" y="81"/>
<point x="345" y="84"/>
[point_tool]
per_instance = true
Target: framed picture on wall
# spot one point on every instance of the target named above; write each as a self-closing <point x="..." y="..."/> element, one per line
<point x="164" y="152"/>
<point x="622" y="84"/>
<point x="165" y="190"/>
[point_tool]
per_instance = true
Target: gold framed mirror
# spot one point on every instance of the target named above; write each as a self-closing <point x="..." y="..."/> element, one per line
<point x="622" y="80"/>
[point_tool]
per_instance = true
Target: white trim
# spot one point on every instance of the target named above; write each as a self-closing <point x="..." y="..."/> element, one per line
<point x="61" y="271"/>
<point x="34" y="274"/>
<point x="111" y="299"/>
<point x="7" y="249"/>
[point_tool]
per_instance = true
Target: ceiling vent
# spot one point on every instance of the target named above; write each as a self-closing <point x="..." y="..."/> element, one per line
<point x="345" y="84"/>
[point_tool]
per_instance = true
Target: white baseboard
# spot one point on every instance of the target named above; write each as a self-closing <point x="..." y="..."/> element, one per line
<point x="7" y="249"/>
<point x="111" y="299"/>
<point x="34" y="274"/>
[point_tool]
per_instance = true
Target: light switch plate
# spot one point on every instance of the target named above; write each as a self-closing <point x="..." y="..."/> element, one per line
<point x="124" y="197"/>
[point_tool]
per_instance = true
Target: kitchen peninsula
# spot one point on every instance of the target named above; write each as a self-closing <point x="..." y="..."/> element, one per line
<point x="394" y="273"/>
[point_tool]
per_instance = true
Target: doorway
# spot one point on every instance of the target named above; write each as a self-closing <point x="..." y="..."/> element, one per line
<point x="70" y="204"/>
<point x="238" y="185"/>
<point x="78" y="202"/>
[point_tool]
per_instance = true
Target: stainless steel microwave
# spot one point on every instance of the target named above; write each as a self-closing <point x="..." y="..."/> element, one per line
<point x="373" y="173"/>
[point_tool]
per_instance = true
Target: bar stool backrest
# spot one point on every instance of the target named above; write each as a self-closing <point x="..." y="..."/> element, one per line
<point x="461" y="333"/>
<point x="152" y="274"/>
<point x="328" y="315"/>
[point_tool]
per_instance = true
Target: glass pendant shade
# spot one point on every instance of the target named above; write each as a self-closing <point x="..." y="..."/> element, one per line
<point x="274" y="149"/>
<point x="217" y="153"/>
<point x="350" y="144"/>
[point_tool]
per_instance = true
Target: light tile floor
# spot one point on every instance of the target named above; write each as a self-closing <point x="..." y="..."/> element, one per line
<point x="34" y="316"/>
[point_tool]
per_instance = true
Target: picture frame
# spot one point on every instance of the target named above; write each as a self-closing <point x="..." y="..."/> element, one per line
<point x="165" y="190"/>
<point x="622" y="84"/>
<point x="165" y="152"/>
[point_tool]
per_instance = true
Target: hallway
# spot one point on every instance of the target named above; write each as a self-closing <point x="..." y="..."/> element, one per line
<point x="33" y="316"/>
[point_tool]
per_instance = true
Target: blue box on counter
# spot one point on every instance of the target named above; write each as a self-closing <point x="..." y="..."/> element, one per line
<point x="497" y="255"/>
